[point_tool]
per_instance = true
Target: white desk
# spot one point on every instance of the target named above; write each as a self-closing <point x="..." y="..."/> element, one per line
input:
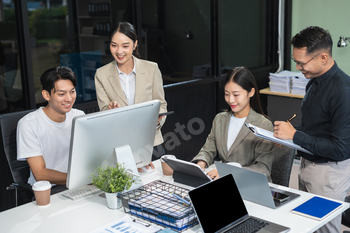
<point x="84" y="215"/>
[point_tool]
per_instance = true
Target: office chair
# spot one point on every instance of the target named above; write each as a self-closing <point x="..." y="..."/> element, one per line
<point x="19" y="169"/>
<point x="345" y="218"/>
<point x="282" y="165"/>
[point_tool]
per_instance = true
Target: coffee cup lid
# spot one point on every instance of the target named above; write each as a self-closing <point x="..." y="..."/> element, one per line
<point x="41" y="186"/>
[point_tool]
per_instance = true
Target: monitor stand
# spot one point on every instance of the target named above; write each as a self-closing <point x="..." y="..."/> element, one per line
<point x="124" y="156"/>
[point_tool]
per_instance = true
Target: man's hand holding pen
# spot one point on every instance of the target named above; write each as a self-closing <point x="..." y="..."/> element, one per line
<point x="284" y="130"/>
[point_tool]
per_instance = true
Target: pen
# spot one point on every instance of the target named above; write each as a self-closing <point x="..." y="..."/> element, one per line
<point x="181" y="199"/>
<point x="290" y="119"/>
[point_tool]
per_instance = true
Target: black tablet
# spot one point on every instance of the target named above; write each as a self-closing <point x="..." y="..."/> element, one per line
<point x="166" y="113"/>
<point x="188" y="168"/>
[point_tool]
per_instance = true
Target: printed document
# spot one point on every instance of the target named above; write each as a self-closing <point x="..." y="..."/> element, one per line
<point x="265" y="134"/>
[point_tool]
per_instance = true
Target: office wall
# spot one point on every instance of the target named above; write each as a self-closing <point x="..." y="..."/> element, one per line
<point x="331" y="15"/>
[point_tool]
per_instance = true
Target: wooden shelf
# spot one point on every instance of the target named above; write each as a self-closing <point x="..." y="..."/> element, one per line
<point x="267" y="91"/>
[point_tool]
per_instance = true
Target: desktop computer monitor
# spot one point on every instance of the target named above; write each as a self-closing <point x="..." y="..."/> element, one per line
<point x="95" y="137"/>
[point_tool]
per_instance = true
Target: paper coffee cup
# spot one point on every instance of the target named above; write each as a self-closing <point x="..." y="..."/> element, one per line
<point x="42" y="192"/>
<point x="167" y="171"/>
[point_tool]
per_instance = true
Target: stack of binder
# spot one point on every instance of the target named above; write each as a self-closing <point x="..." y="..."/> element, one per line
<point x="103" y="28"/>
<point x="98" y="9"/>
<point x="161" y="203"/>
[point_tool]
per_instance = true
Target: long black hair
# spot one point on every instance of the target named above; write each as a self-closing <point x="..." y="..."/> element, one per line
<point x="244" y="78"/>
<point x="129" y="30"/>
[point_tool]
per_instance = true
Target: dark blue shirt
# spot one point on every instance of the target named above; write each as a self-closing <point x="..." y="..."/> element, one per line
<point x="325" y="121"/>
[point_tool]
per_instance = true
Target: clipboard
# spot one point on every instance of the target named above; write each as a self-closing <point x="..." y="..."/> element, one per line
<point x="187" y="173"/>
<point x="265" y="134"/>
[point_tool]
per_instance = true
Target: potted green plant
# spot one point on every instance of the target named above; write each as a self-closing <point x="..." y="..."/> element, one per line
<point x="113" y="180"/>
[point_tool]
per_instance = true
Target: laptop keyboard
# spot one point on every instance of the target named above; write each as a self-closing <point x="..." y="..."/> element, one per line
<point x="249" y="226"/>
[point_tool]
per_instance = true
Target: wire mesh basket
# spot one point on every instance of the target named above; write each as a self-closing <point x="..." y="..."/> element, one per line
<point x="161" y="203"/>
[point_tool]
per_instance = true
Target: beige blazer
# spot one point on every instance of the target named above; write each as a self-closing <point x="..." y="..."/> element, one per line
<point x="149" y="86"/>
<point x="249" y="150"/>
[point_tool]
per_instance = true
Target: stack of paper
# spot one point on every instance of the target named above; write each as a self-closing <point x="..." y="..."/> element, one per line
<point x="288" y="82"/>
<point x="299" y="83"/>
<point x="280" y="82"/>
<point x="164" y="208"/>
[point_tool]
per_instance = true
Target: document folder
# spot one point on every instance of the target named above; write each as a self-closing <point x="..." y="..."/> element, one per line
<point x="265" y="134"/>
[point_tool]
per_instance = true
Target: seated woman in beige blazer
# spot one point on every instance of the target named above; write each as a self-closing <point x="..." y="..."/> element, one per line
<point x="229" y="138"/>
<point x="128" y="80"/>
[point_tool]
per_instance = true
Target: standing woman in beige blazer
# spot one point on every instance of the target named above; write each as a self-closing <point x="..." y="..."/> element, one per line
<point x="129" y="80"/>
<point x="229" y="138"/>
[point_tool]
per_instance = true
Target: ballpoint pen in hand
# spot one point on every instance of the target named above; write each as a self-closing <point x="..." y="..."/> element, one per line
<point x="290" y="119"/>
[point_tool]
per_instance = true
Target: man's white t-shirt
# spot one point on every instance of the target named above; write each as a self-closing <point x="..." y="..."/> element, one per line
<point x="233" y="130"/>
<point x="38" y="135"/>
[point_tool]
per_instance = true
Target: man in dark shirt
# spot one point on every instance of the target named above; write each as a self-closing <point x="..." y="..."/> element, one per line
<point x="325" y="122"/>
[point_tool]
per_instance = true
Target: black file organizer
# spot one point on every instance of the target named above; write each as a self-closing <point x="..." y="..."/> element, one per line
<point x="156" y="203"/>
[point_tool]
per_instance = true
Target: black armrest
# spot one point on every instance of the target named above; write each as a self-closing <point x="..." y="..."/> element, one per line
<point x="346" y="214"/>
<point x="22" y="185"/>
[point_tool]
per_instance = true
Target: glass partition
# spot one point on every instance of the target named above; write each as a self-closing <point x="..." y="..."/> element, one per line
<point x="84" y="66"/>
<point x="176" y="35"/>
<point x="243" y="33"/>
<point x="52" y="33"/>
<point x="11" y="97"/>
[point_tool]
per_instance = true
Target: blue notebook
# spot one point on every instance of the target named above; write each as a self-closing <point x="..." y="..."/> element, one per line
<point x="317" y="208"/>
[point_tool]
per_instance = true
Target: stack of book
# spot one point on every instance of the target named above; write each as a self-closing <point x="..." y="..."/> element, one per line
<point x="288" y="82"/>
<point x="298" y="84"/>
<point x="87" y="31"/>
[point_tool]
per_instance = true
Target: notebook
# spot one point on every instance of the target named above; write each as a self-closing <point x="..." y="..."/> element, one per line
<point x="317" y="208"/>
<point x="254" y="186"/>
<point x="220" y="208"/>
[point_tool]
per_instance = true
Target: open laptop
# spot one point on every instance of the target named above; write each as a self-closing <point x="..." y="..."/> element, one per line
<point x="220" y="208"/>
<point x="254" y="186"/>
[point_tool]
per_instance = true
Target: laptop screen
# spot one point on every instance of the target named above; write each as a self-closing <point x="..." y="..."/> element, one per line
<point x="218" y="204"/>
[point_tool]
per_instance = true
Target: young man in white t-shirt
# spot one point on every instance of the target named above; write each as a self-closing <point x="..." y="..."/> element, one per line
<point x="43" y="136"/>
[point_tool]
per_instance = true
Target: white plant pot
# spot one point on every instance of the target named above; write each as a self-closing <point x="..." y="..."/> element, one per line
<point x="113" y="202"/>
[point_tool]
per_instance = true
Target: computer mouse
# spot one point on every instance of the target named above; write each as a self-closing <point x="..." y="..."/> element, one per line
<point x="149" y="170"/>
